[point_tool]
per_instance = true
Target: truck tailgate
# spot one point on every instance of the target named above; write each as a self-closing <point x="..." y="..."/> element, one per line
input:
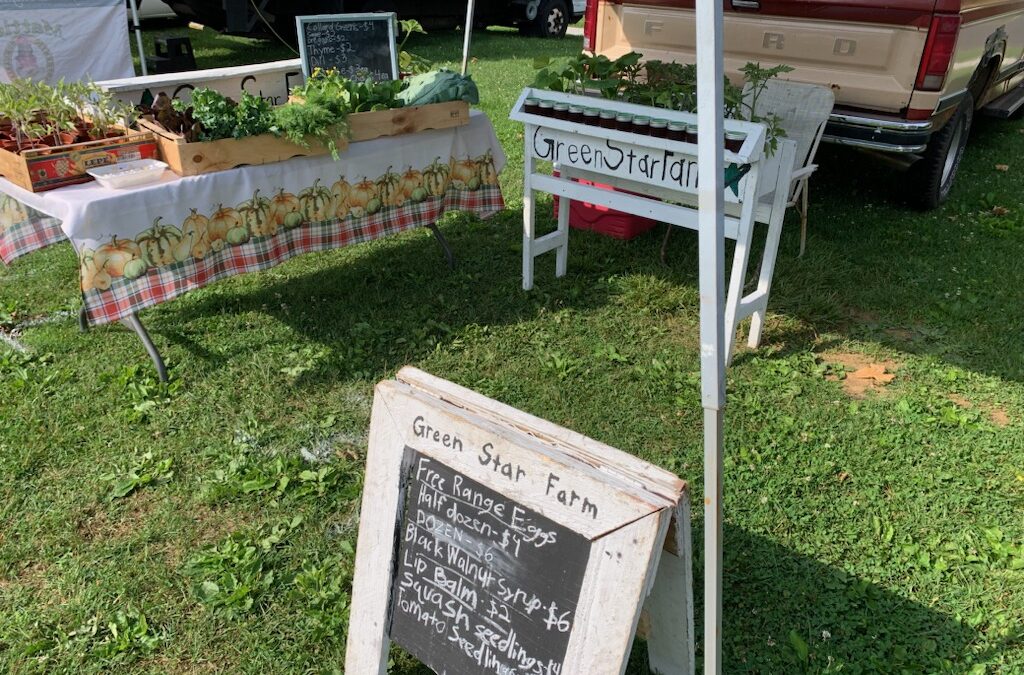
<point x="868" y="55"/>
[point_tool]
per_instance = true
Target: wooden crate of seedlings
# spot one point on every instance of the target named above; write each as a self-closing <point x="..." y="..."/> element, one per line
<point x="51" y="134"/>
<point x="47" y="168"/>
<point x="193" y="158"/>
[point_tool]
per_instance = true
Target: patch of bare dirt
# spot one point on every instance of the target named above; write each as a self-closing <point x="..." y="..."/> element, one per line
<point x="99" y="523"/>
<point x="864" y="316"/>
<point x="996" y="415"/>
<point x="863" y="374"/>
<point x="902" y="334"/>
<point x="999" y="417"/>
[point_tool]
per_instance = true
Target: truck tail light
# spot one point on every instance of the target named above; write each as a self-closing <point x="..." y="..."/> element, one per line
<point x="590" y="26"/>
<point x="938" y="52"/>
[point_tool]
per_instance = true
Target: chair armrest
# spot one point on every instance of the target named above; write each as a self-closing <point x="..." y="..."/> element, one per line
<point x="803" y="172"/>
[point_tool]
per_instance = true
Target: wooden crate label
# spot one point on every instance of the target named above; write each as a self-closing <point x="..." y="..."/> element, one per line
<point x="482" y="584"/>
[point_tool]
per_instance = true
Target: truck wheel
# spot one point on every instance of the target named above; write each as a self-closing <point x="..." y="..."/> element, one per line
<point x="552" y="19"/>
<point x="934" y="174"/>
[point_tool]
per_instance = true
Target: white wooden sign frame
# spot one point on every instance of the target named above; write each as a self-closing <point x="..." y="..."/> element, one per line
<point x="639" y="534"/>
<point x="660" y="196"/>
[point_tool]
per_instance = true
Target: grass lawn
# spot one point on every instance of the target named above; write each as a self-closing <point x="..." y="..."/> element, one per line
<point x="186" y="529"/>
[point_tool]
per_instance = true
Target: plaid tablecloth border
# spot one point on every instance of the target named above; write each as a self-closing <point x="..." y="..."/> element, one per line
<point x="164" y="283"/>
<point x="29" y="233"/>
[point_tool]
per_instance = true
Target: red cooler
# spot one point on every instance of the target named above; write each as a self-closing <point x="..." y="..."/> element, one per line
<point x="607" y="221"/>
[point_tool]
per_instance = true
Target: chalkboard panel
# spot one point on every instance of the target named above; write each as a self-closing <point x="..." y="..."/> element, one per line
<point x="359" y="46"/>
<point x="481" y="584"/>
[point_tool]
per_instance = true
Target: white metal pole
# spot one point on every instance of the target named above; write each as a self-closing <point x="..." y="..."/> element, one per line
<point x="138" y="35"/>
<point x="710" y="112"/>
<point x="467" y="38"/>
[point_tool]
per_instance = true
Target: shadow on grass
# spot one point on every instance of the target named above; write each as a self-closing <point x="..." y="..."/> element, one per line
<point x="847" y="623"/>
<point x="382" y="308"/>
<point x="778" y="602"/>
<point x="935" y="283"/>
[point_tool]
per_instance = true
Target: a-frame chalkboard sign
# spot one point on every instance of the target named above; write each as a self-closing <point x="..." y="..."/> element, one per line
<point x="492" y="541"/>
<point x="358" y="46"/>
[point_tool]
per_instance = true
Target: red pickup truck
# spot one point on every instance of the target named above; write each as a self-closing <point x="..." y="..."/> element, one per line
<point x="908" y="75"/>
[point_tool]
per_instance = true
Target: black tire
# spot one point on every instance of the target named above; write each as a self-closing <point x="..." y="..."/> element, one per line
<point x="934" y="174"/>
<point x="552" y="19"/>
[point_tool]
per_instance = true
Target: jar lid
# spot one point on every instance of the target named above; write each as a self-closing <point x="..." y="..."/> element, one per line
<point x="532" y="100"/>
<point x="546" y="104"/>
<point x="561" y="106"/>
<point x="659" y="123"/>
<point x="678" y="126"/>
<point x="623" y="117"/>
<point x="590" y="112"/>
<point x="640" y="119"/>
<point x="607" y="114"/>
<point x="735" y="135"/>
<point x="576" y="109"/>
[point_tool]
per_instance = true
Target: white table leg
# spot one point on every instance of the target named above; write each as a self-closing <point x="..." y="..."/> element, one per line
<point x="562" y="252"/>
<point x="529" y="221"/>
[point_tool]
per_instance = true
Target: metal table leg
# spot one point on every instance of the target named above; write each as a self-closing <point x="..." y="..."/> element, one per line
<point x="449" y="256"/>
<point x="132" y="321"/>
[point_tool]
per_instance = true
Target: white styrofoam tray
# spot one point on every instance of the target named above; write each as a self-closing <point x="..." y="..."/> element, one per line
<point x="128" y="174"/>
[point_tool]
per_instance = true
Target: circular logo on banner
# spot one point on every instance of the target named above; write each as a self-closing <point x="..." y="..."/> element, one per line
<point x="29" y="58"/>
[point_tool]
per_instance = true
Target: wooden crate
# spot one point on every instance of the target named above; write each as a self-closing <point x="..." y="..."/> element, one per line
<point x="369" y="125"/>
<point x="192" y="159"/>
<point x="43" y="169"/>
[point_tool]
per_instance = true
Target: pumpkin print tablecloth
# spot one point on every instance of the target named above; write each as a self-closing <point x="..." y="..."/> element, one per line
<point x="143" y="246"/>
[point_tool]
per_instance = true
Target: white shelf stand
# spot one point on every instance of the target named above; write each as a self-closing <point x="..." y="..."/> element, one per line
<point x="661" y="177"/>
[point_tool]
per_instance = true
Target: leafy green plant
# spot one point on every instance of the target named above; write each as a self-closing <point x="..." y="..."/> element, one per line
<point x="140" y="472"/>
<point x="298" y="122"/>
<point x="215" y="112"/>
<point x="121" y="638"/>
<point x="583" y="73"/>
<point x="671" y="86"/>
<point x="26" y="370"/>
<point x="235" y="575"/>
<point x="253" y="116"/>
<point x="144" y="392"/>
<point x="322" y="591"/>
<point x="127" y="633"/>
<point x="407" y="62"/>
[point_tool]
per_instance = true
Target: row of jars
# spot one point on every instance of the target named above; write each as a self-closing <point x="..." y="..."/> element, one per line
<point x="637" y="124"/>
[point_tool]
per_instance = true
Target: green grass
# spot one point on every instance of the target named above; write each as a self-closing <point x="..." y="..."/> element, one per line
<point x="882" y="534"/>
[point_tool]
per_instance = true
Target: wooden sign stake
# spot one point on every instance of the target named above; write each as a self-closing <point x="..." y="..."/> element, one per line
<point x="492" y="541"/>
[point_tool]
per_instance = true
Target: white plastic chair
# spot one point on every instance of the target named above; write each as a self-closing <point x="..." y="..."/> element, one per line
<point x="803" y="111"/>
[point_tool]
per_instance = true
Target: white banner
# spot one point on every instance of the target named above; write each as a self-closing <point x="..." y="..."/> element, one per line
<point x="71" y="39"/>
<point x="270" y="81"/>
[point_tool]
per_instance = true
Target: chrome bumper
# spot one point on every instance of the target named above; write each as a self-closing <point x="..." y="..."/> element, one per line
<point x="878" y="133"/>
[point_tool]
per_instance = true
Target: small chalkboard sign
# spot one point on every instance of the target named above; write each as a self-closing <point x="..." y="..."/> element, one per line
<point x="466" y="593"/>
<point x="358" y="46"/>
<point x="491" y="541"/>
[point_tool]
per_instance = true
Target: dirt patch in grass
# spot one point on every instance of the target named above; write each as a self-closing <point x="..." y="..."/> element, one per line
<point x="115" y="522"/>
<point x="208" y="525"/>
<point x="864" y="316"/>
<point x="902" y="334"/>
<point x="32" y="576"/>
<point x="997" y="415"/>
<point x="863" y="373"/>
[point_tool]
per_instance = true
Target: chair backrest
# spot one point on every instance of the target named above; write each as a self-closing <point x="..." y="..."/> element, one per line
<point x="803" y="111"/>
